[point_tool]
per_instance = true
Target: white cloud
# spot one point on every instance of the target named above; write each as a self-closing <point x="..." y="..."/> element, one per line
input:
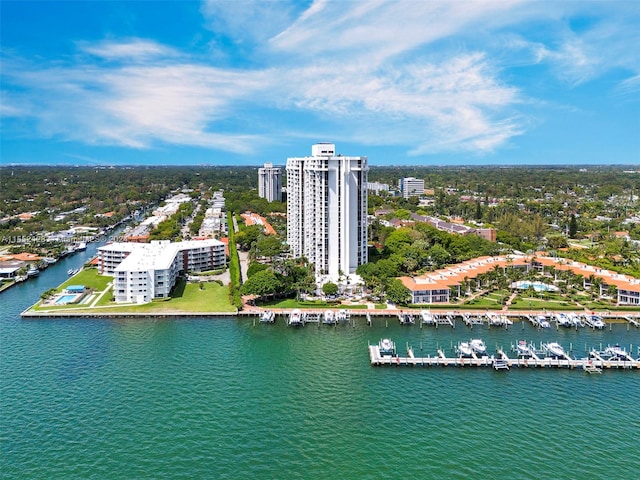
<point x="630" y="85"/>
<point x="424" y="75"/>
<point x="251" y="21"/>
<point x="135" y="49"/>
<point x="135" y="106"/>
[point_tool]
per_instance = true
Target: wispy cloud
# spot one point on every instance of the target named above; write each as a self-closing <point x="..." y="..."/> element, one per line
<point x="428" y="76"/>
<point x="134" y="49"/>
<point x="133" y="105"/>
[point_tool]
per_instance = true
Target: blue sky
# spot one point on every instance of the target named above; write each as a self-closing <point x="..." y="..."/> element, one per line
<point x="245" y="82"/>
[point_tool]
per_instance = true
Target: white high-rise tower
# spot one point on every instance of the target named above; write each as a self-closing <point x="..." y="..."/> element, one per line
<point x="270" y="182"/>
<point x="327" y="210"/>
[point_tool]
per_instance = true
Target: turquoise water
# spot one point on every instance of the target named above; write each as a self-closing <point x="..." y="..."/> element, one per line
<point x="537" y="286"/>
<point x="66" y="299"/>
<point x="201" y="398"/>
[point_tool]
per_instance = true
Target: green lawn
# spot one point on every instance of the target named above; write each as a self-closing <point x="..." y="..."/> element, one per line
<point x="292" y="303"/>
<point x="88" y="277"/>
<point x="185" y="298"/>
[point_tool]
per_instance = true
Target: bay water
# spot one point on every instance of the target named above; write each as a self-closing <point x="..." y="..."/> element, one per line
<point x="232" y="398"/>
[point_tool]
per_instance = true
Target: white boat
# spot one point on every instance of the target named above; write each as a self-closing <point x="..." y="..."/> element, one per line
<point x="267" y="316"/>
<point x="342" y="316"/>
<point x="596" y="321"/>
<point x="49" y="260"/>
<point x="406" y="319"/>
<point x="562" y="320"/>
<point x="465" y="350"/>
<point x="329" y="317"/>
<point x="524" y="349"/>
<point x="575" y="320"/>
<point x="81" y="246"/>
<point x="295" y="318"/>
<point x="427" y="317"/>
<point x="70" y="271"/>
<point x="33" y="271"/>
<point x="542" y="321"/>
<point x="387" y="348"/>
<point x="555" y="350"/>
<point x="616" y="352"/>
<point x="478" y="346"/>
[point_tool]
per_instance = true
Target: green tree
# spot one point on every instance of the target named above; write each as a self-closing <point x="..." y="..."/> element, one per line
<point x="400" y="238"/>
<point x="246" y="237"/>
<point x="255" y="267"/>
<point x="397" y="292"/>
<point x="262" y="283"/>
<point x="573" y="226"/>
<point x="330" y="288"/>
<point x="268" y="246"/>
<point x="478" y="211"/>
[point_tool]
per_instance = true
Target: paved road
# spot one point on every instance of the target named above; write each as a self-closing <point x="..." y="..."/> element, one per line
<point x="244" y="265"/>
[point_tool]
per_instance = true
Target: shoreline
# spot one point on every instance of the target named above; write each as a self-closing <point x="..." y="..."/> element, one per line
<point x="516" y="315"/>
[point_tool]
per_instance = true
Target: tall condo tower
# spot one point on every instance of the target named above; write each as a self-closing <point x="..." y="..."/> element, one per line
<point x="270" y="182"/>
<point x="327" y="210"/>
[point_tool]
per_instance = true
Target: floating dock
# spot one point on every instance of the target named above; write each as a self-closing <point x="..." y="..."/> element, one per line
<point x="499" y="362"/>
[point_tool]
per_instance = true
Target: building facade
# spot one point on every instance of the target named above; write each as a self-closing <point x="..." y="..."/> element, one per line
<point x="270" y="182"/>
<point x="453" y="281"/>
<point x="327" y="210"/>
<point x="144" y="271"/>
<point x="411" y="187"/>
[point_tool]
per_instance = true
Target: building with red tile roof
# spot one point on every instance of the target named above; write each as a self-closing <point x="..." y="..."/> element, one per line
<point x="436" y="287"/>
<point x="255" y="219"/>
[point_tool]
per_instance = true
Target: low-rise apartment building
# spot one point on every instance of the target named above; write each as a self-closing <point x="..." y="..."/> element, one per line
<point x="144" y="271"/>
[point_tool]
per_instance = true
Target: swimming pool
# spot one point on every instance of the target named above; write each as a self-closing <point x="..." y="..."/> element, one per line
<point x="65" y="299"/>
<point x="537" y="286"/>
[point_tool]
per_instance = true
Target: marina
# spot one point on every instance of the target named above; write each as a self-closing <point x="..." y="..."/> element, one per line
<point x="381" y="354"/>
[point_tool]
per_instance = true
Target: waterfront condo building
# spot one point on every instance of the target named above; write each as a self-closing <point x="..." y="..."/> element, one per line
<point x="411" y="187"/>
<point x="270" y="182"/>
<point x="144" y="271"/>
<point x="327" y="211"/>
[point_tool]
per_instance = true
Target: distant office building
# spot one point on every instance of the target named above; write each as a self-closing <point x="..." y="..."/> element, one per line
<point x="376" y="187"/>
<point x="270" y="182"/>
<point x="327" y="210"/>
<point x="411" y="187"/>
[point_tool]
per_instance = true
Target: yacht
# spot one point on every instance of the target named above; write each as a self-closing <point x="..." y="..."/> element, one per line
<point x="465" y="350"/>
<point x="427" y="317"/>
<point x="33" y="271"/>
<point x="596" y="321"/>
<point x="387" y="348"/>
<point x="616" y="352"/>
<point x="295" y="318"/>
<point x="555" y="350"/>
<point x="342" y="316"/>
<point x="506" y="321"/>
<point x="81" y="246"/>
<point x="575" y="320"/>
<point x="406" y="319"/>
<point x="267" y="316"/>
<point x="478" y="346"/>
<point x="329" y="317"/>
<point x="562" y="320"/>
<point x="524" y="350"/>
<point x="542" y="321"/>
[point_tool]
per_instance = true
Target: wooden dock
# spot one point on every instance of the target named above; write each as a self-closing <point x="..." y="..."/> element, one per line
<point x="499" y="362"/>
